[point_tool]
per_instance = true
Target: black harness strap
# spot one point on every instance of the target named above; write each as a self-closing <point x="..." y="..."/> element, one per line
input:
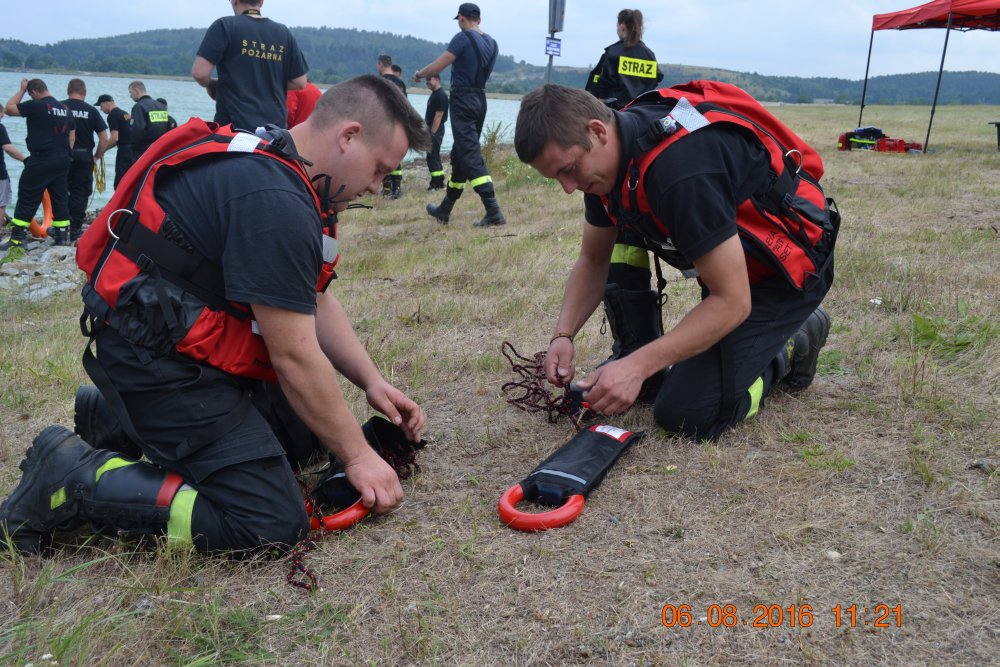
<point x="91" y="326"/>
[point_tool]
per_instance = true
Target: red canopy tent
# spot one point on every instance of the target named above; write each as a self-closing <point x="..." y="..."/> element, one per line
<point x="960" y="15"/>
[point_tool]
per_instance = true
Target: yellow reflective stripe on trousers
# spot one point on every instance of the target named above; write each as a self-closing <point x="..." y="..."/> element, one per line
<point x="60" y="223"/>
<point x="456" y="186"/>
<point x="645" y="69"/>
<point x="481" y="180"/>
<point x="437" y="173"/>
<point x="756" y="392"/>
<point x="57" y="498"/>
<point x="20" y="223"/>
<point x="181" y="510"/>
<point x="631" y="255"/>
<point x="396" y="172"/>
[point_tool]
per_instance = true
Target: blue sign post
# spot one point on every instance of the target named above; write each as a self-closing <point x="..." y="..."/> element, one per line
<point x="553" y="46"/>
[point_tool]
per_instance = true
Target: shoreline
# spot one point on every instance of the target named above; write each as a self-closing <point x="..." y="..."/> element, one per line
<point x="168" y="77"/>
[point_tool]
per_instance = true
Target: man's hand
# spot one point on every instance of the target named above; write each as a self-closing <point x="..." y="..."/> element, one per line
<point x="613" y="387"/>
<point x="375" y="480"/>
<point x="559" y="368"/>
<point x="398" y="407"/>
<point x="24" y="85"/>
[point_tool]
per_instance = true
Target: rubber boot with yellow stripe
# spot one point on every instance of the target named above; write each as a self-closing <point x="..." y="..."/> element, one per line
<point x="66" y="482"/>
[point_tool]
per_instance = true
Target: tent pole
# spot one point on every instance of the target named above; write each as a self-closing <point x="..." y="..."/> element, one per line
<point x="864" y="90"/>
<point x="937" y="88"/>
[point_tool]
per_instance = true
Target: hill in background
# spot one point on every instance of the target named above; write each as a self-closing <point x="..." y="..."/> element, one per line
<point x="335" y="54"/>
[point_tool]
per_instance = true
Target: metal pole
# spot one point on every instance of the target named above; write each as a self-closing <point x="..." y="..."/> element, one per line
<point x="548" y="72"/>
<point x="864" y="90"/>
<point x="937" y="88"/>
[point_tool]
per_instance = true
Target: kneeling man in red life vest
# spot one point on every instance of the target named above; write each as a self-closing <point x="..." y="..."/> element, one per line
<point x="218" y="340"/>
<point x="718" y="188"/>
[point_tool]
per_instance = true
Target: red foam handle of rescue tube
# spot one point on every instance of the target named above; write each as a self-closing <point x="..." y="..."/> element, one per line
<point x="556" y="518"/>
<point x="341" y="520"/>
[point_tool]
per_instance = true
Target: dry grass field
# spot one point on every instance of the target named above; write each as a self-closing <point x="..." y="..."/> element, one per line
<point x="857" y="492"/>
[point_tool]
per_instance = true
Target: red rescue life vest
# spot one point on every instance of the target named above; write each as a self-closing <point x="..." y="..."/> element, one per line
<point x="124" y="242"/>
<point x="789" y="229"/>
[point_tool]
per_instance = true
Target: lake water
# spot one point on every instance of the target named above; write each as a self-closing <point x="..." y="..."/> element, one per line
<point x="186" y="99"/>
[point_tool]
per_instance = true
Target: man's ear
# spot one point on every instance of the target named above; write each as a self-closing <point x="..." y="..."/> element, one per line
<point x="600" y="130"/>
<point x="348" y="132"/>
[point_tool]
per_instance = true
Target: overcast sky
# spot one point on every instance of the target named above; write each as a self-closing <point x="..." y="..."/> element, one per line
<point x="777" y="37"/>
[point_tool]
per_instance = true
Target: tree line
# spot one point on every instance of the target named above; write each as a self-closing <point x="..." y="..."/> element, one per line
<point x="336" y="54"/>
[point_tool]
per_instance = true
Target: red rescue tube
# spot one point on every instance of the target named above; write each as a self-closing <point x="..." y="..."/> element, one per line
<point x="556" y="518"/>
<point x="340" y="520"/>
<point x="41" y="229"/>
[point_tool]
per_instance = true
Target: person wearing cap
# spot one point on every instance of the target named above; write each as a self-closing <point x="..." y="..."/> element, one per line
<point x="471" y="55"/>
<point x="258" y="61"/>
<point x="50" y="136"/>
<point x="81" y="172"/>
<point x="119" y="126"/>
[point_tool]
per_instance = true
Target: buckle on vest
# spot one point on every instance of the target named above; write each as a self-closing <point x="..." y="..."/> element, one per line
<point x="664" y="127"/>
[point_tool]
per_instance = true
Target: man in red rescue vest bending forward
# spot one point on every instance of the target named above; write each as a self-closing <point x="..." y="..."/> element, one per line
<point x="217" y="340"/>
<point x="720" y="189"/>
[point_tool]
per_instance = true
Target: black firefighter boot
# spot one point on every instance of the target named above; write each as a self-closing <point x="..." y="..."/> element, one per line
<point x="75" y="230"/>
<point x="65" y="482"/>
<point x="494" y="216"/>
<point x="59" y="235"/>
<point x="796" y="363"/>
<point x="95" y="421"/>
<point x="442" y="212"/>
<point x="635" y="319"/>
<point x="18" y="235"/>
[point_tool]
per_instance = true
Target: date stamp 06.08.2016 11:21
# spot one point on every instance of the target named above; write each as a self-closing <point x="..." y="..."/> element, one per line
<point x="775" y="616"/>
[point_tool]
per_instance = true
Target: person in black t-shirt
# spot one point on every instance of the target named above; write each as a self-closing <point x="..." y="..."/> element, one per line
<point x="471" y="54"/>
<point x="392" y="185"/>
<point x="222" y="444"/>
<point x="81" y="172"/>
<point x="435" y="117"/>
<point x="753" y="331"/>
<point x="5" y="191"/>
<point x="51" y="132"/>
<point x="257" y="59"/>
<point x="119" y="124"/>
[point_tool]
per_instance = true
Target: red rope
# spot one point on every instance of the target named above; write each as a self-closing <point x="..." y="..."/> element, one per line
<point x="531" y="392"/>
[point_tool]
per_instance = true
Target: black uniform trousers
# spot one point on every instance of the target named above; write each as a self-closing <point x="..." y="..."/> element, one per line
<point x="692" y="398"/>
<point x="81" y="184"/>
<point x="434" y="154"/>
<point x="248" y="496"/>
<point x="467" y="116"/>
<point x="124" y="158"/>
<point x="43" y="171"/>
